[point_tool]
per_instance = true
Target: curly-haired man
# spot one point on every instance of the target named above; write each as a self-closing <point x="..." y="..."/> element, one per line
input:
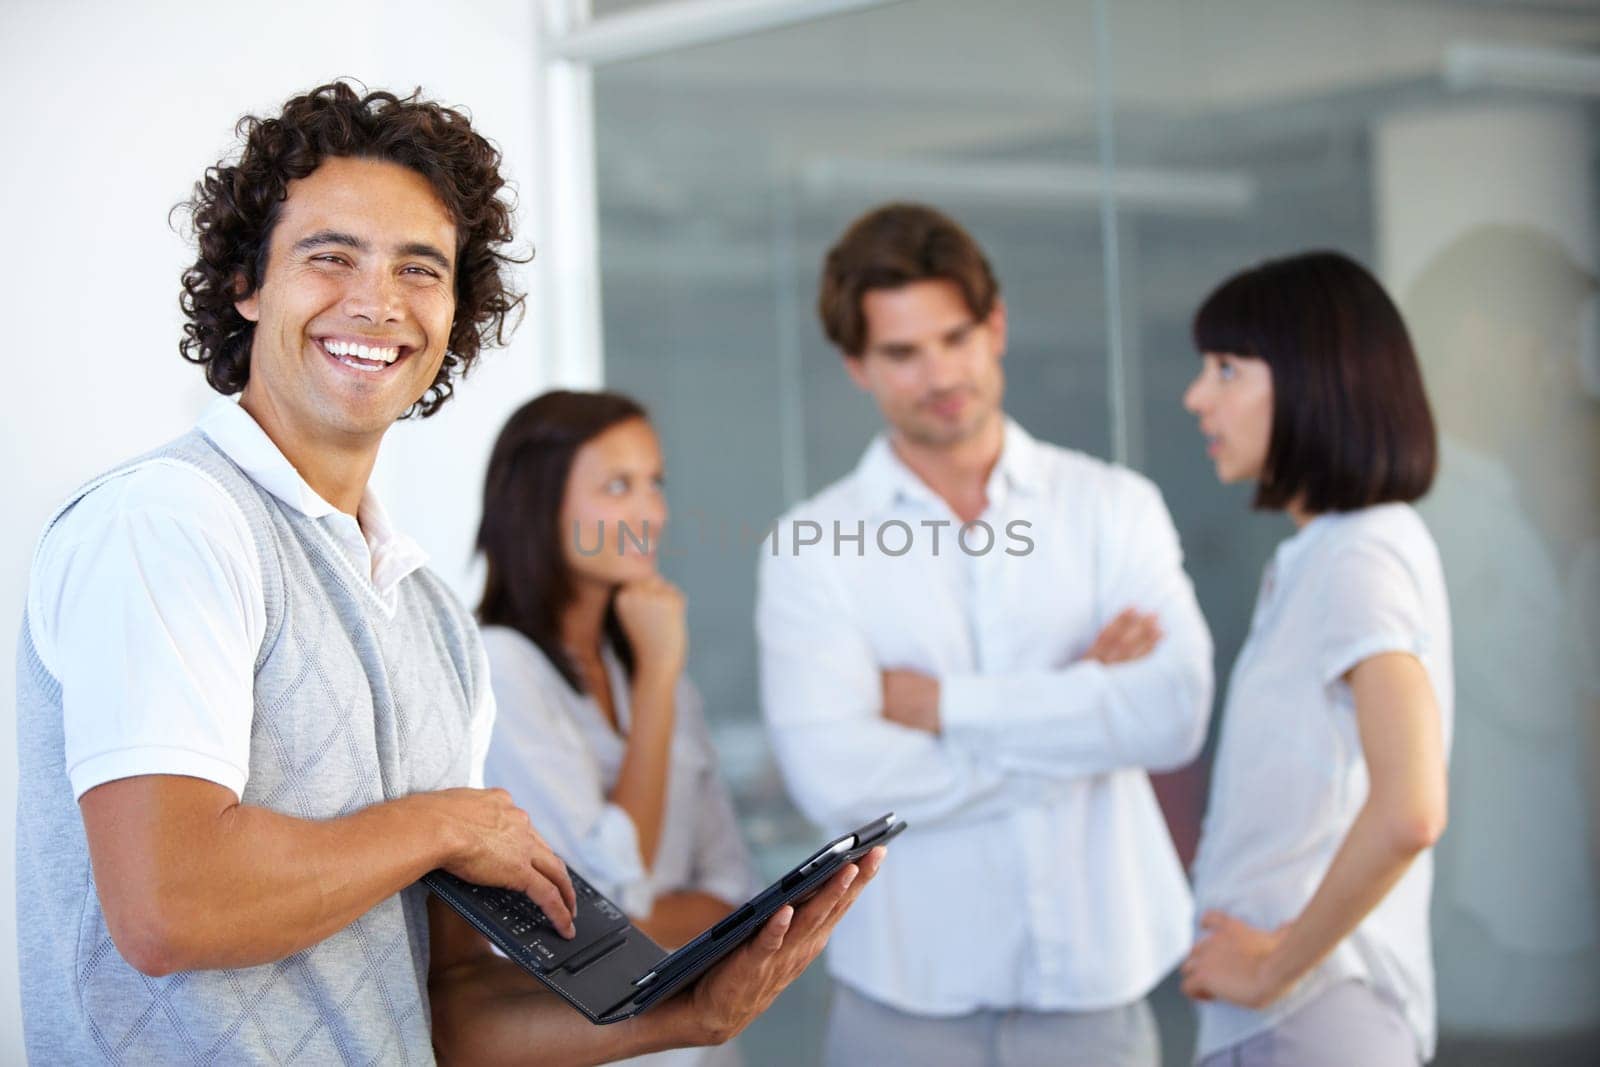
<point x="249" y="717"/>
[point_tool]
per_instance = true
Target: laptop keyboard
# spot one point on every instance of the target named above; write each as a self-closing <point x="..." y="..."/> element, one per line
<point x="525" y="923"/>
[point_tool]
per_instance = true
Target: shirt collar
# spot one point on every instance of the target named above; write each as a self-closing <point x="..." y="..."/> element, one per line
<point x="233" y="430"/>
<point x="1292" y="549"/>
<point x="392" y="554"/>
<point x="888" y="481"/>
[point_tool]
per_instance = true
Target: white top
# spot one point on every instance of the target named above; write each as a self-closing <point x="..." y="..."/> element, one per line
<point x="555" y="752"/>
<point x="146" y="603"/>
<point x="1036" y="871"/>
<point x="1289" y="776"/>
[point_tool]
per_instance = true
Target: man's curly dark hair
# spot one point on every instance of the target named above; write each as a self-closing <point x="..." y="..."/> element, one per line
<point x="236" y="205"/>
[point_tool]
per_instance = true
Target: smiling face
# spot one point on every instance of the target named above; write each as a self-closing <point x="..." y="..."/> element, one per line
<point x="932" y="367"/>
<point x="615" y="481"/>
<point x="1232" y="398"/>
<point x="354" y="311"/>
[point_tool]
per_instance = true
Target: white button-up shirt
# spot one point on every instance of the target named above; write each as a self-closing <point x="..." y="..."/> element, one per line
<point x="1037" y="871"/>
<point x="1290" y="776"/>
<point x="146" y="603"/>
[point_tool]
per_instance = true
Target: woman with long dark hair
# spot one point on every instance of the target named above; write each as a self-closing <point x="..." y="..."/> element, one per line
<point x="599" y="734"/>
<point x="1328" y="792"/>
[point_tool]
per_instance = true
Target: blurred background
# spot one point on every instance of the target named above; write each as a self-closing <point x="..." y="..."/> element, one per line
<point x="683" y="164"/>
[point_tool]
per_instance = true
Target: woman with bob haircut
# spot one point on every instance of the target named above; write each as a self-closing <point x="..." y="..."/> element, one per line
<point x="599" y="734"/>
<point x="1328" y="792"/>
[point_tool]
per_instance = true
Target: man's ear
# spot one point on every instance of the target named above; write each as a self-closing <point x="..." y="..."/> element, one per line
<point x="250" y="306"/>
<point x="855" y="366"/>
<point x="997" y="325"/>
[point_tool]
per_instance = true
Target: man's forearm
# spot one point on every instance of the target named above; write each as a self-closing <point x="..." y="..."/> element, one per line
<point x="1085" y="719"/>
<point x="241" y="885"/>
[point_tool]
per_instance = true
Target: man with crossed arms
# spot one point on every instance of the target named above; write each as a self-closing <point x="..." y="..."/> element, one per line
<point x="1004" y="678"/>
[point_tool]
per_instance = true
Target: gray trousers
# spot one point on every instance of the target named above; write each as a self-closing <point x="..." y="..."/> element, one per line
<point x="862" y="1031"/>
<point x="1347" y="1024"/>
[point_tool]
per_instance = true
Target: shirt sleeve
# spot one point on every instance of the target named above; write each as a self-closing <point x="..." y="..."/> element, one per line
<point x="147" y="607"/>
<point x="1089" y="718"/>
<point x="538" y="755"/>
<point x="1371" y="604"/>
<point x="821" y="694"/>
<point x="722" y="865"/>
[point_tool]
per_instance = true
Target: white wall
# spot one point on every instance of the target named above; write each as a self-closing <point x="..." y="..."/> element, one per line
<point x="115" y="109"/>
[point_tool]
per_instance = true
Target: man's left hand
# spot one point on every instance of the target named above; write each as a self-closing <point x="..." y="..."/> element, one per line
<point x="1233" y="963"/>
<point x="911" y="699"/>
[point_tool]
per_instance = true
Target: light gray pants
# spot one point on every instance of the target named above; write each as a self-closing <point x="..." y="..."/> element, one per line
<point x="862" y="1031"/>
<point x="1347" y="1024"/>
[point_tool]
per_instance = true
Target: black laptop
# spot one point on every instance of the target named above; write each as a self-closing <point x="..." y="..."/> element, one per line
<point x="611" y="971"/>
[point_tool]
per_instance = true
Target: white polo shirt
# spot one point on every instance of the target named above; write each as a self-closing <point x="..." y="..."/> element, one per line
<point x="1037" y="871"/>
<point x="1289" y="777"/>
<point x="146" y="603"/>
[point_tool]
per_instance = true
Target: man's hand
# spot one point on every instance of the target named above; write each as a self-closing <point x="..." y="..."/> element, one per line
<point x="498" y="846"/>
<point x="1233" y="963"/>
<point x="741" y="987"/>
<point x="1131" y="635"/>
<point x="911" y="699"/>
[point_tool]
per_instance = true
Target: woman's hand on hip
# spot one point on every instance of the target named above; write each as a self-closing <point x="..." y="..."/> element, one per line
<point x="1233" y="962"/>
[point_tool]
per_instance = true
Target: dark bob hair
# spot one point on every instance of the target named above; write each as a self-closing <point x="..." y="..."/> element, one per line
<point x="892" y="246"/>
<point x="1351" y="425"/>
<point x="235" y="207"/>
<point x="528" y="585"/>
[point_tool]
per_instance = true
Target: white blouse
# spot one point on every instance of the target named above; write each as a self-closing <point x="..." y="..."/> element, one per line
<point x="1290" y="777"/>
<point x="557" y="755"/>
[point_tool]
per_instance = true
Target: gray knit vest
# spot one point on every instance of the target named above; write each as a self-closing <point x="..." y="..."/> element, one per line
<point x="352" y="708"/>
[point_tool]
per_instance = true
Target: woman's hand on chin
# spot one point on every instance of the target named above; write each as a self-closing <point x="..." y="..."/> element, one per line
<point x="651" y="611"/>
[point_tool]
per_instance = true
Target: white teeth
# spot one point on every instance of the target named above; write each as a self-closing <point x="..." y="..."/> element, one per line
<point x="359" y="351"/>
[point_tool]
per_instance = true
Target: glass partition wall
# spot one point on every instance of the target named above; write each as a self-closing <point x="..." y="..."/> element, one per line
<point x="1117" y="159"/>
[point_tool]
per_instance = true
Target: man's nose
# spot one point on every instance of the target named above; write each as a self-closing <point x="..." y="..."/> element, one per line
<point x="948" y="368"/>
<point x="373" y="295"/>
<point x="1192" y="397"/>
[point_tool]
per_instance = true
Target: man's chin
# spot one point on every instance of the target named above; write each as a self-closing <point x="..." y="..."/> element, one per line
<point x="936" y="433"/>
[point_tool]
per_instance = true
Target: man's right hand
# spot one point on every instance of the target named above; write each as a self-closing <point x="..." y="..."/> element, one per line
<point x="495" y="844"/>
<point x="743" y="986"/>
<point x="1131" y="635"/>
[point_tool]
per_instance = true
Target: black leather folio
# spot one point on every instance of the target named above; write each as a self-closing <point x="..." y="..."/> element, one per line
<point x="611" y="971"/>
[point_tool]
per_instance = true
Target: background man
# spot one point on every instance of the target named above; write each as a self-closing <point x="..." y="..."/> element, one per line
<point x="1002" y="678"/>
<point x="249" y="717"/>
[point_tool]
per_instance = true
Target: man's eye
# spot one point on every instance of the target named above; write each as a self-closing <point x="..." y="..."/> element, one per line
<point x="617" y="486"/>
<point x="423" y="271"/>
<point x="1227" y="371"/>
